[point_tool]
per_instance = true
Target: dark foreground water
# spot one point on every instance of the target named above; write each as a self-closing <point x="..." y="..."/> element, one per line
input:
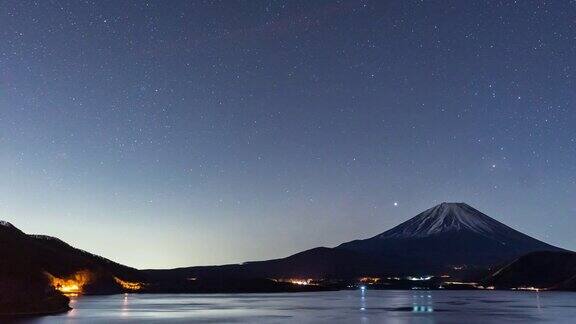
<point x="326" y="307"/>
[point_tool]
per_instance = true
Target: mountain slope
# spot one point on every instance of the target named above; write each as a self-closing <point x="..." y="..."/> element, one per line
<point x="544" y="270"/>
<point x="319" y="262"/>
<point x="20" y="253"/>
<point x="24" y="289"/>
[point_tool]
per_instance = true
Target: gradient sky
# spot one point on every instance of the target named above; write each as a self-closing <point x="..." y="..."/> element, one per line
<point x="167" y="133"/>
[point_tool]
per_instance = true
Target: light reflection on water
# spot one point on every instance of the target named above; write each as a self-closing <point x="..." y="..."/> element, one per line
<point x="422" y="302"/>
<point x="359" y="306"/>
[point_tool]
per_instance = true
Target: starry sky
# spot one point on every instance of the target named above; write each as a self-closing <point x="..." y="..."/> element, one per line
<point x="178" y="133"/>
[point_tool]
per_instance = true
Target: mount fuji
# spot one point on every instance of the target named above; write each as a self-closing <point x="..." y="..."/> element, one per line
<point x="448" y="235"/>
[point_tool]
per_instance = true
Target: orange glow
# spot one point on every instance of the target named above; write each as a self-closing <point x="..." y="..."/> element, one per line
<point x="72" y="285"/>
<point x="300" y="281"/>
<point x="297" y="281"/>
<point x="129" y="285"/>
<point x="369" y="280"/>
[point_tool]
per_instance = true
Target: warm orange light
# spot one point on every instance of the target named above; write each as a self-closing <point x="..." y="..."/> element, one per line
<point x="129" y="285"/>
<point x="71" y="285"/>
<point x="369" y="280"/>
<point x="297" y="281"/>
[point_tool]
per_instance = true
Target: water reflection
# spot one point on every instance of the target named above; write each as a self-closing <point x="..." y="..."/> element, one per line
<point x="368" y="306"/>
<point x="422" y="302"/>
<point x="124" y="310"/>
<point x="362" y="298"/>
<point x="363" y="317"/>
<point x="73" y="302"/>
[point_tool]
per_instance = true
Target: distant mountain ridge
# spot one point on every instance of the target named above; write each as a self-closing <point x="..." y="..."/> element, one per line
<point x="540" y="270"/>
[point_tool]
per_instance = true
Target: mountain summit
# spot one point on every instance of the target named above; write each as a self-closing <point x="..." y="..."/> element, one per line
<point x="449" y="217"/>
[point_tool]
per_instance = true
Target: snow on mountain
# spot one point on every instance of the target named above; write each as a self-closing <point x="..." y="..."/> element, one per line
<point x="6" y="224"/>
<point x="447" y="217"/>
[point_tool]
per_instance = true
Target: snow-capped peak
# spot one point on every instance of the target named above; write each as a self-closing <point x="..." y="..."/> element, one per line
<point x="446" y="217"/>
<point x="6" y="224"/>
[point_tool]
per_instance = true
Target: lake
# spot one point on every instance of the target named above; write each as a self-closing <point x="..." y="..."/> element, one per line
<point x="417" y="306"/>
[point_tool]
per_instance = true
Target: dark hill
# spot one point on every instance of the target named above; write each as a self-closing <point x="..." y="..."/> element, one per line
<point x="30" y="264"/>
<point x="544" y="270"/>
<point x="21" y="251"/>
<point x="24" y="289"/>
<point x="319" y="262"/>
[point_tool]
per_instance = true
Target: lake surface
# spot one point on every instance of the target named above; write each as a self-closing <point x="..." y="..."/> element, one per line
<point x="384" y="306"/>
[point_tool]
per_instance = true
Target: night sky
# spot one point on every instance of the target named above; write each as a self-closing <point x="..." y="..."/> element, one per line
<point x="164" y="134"/>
